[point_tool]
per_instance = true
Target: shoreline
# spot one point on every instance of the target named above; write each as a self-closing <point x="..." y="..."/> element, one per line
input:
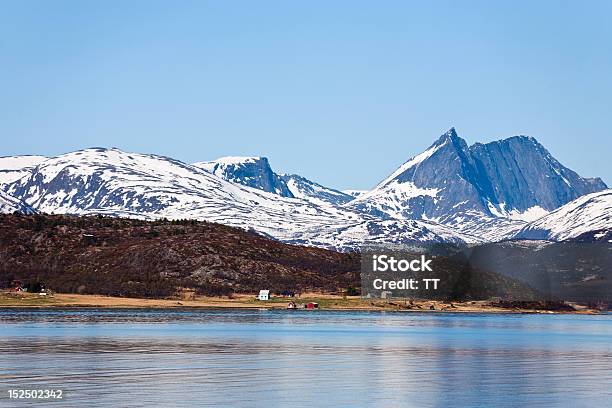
<point x="326" y="302"/>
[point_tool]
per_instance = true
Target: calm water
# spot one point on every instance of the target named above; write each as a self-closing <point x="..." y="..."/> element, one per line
<point x="139" y="358"/>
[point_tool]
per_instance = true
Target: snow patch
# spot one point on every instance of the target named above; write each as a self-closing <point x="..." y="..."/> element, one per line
<point x="590" y="212"/>
<point x="20" y="162"/>
<point x="530" y="214"/>
<point x="416" y="160"/>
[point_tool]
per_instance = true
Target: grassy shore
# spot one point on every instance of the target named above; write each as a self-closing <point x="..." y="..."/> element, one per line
<point x="326" y="302"/>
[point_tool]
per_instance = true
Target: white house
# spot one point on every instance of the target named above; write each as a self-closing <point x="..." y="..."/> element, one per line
<point x="264" y="294"/>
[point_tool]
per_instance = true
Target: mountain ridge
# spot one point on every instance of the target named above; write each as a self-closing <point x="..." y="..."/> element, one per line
<point x="461" y="186"/>
<point x="117" y="183"/>
<point x="12" y="168"/>
<point x="449" y="192"/>
<point x="591" y="212"/>
<point x="249" y="171"/>
<point x="256" y="172"/>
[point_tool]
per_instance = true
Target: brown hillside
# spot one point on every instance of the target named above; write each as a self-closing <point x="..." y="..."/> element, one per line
<point x="125" y="257"/>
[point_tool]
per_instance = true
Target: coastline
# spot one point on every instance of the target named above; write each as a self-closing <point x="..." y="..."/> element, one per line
<point x="245" y="301"/>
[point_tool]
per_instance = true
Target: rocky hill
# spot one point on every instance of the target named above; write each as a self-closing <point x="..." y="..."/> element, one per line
<point x="127" y="257"/>
<point x="156" y="259"/>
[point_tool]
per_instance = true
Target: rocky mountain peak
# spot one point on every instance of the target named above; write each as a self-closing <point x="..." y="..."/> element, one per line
<point x="455" y="184"/>
<point x="252" y="172"/>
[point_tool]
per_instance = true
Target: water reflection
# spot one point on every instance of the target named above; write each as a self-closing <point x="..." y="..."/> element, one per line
<point x="252" y="358"/>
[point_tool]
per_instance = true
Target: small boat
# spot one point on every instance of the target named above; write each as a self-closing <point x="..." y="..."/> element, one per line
<point x="291" y="305"/>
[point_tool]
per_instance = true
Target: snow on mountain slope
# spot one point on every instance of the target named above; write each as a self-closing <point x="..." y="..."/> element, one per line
<point x="434" y="185"/>
<point x="354" y="193"/>
<point x="595" y="236"/>
<point x="14" y="167"/>
<point x="112" y="182"/>
<point x="487" y="228"/>
<point x="249" y="171"/>
<point x="588" y="213"/>
<point x="138" y="183"/>
<point x="256" y="172"/>
<point x="303" y="188"/>
<point x="450" y="192"/>
<point x="371" y="231"/>
<point x="10" y="204"/>
<point x="489" y="190"/>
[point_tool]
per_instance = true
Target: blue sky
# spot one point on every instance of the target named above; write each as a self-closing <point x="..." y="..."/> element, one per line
<point x="341" y="92"/>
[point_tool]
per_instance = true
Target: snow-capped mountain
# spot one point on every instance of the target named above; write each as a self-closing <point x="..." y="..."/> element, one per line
<point x="487" y="189"/>
<point x="15" y="167"/>
<point x="449" y="193"/>
<point x="592" y="212"/>
<point x="113" y="182"/>
<point x="308" y="190"/>
<point x="10" y="204"/>
<point x="249" y="171"/>
<point x="525" y="180"/>
<point x="256" y="172"/>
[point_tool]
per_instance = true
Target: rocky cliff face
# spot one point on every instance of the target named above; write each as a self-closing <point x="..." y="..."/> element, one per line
<point x="442" y="183"/>
<point x="458" y="185"/>
<point x="252" y="172"/>
<point x="520" y="174"/>
<point x="256" y="172"/>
